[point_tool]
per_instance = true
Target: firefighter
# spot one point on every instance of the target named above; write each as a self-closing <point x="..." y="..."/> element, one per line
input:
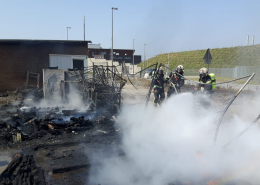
<point x="204" y="89"/>
<point x="158" y="87"/>
<point x="205" y="78"/>
<point x="176" y="81"/>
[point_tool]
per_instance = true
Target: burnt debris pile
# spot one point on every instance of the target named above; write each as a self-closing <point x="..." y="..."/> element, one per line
<point x="22" y="170"/>
<point x="27" y="123"/>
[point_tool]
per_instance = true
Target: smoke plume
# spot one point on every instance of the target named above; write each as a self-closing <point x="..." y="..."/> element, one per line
<point x="173" y="144"/>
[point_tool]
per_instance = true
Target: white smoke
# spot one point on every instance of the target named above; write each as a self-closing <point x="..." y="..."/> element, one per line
<point x="174" y="144"/>
<point x="73" y="100"/>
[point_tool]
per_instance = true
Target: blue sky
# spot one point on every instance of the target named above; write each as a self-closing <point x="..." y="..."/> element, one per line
<point x="164" y="25"/>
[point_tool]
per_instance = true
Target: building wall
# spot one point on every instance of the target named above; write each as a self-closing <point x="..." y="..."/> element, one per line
<point x="120" y="55"/>
<point x="65" y="62"/>
<point x="18" y="57"/>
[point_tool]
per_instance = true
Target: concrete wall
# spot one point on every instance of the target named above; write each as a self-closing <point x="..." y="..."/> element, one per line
<point x="19" y="56"/>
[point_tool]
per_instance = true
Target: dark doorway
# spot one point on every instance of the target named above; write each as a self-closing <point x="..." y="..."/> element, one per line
<point x="78" y="64"/>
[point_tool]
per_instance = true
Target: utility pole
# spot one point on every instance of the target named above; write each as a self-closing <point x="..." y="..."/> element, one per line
<point x="112" y="53"/>
<point x="144" y="53"/>
<point x="147" y="60"/>
<point x="84" y="26"/>
<point x="68" y="32"/>
<point x="133" y="55"/>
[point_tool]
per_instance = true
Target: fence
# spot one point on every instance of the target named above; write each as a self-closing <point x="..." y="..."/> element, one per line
<point x="235" y="72"/>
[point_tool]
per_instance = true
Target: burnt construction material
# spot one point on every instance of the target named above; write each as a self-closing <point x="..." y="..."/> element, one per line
<point x="32" y="75"/>
<point x="101" y="86"/>
<point x="22" y="170"/>
<point x="32" y="123"/>
<point x="71" y="168"/>
<point x="26" y="113"/>
<point x="69" y="112"/>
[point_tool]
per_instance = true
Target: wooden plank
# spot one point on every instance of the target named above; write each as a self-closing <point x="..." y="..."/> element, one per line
<point x="33" y="77"/>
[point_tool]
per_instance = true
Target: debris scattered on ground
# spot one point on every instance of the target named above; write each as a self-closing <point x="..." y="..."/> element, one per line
<point x="22" y="170"/>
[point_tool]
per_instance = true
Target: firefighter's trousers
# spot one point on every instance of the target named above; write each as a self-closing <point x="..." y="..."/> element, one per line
<point x="158" y="95"/>
<point x="171" y="91"/>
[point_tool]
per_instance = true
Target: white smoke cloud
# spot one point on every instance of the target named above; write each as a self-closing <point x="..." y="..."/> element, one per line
<point x="74" y="100"/>
<point x="174" y="144"/>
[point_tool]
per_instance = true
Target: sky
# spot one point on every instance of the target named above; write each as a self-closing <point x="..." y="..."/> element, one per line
<point x="164" y="25"/>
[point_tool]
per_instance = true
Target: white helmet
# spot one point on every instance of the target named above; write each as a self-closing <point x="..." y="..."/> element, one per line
<point x="179" y="68"/>
<point x="203" y="71"/>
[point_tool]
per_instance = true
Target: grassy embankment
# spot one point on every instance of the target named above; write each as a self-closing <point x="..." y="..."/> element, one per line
<point x="222" y="58"/>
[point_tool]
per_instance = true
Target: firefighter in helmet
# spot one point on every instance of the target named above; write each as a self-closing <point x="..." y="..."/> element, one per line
<point x="205" y="87"/>
<point x="176" y="81"/>
<point x="205" y="79"/>
<point x="158" y="87"/>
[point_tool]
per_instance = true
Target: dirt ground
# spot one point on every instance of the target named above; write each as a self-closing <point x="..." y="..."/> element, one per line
<point x="66" y="158"/>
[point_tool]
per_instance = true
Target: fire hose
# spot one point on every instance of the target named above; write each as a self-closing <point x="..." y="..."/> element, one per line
<point x="174" y="87"/>
<point x="241" y="133"/>
<point x="231" y="101"/>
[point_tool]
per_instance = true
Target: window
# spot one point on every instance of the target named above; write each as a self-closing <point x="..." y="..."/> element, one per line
<point x="78" y="64"/>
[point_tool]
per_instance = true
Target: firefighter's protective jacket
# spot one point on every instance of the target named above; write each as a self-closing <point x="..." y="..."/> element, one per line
<point x="159" y="82"/>
<point x="205" y="80"/>
<point x="176" y="79"/>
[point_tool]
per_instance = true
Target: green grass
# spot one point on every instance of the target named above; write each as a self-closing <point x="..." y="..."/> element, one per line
<point x="222" y="58"/>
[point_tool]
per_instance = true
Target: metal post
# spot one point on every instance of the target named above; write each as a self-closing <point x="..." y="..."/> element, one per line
<point x="113" y="8"/>
<point x="112" y="39"/>
<point x="147" y="60"/>
<point x="68" y="32"/>
<point x="133" y="55"/>
<point x="121" y="83"/>
<point x="84" y="26"/>
<point x="144" y="52"/>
